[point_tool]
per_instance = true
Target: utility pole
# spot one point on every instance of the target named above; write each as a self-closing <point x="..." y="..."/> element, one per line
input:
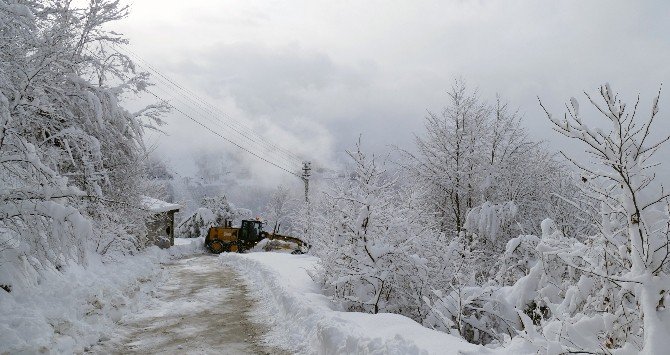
<point x="306" y="173"/>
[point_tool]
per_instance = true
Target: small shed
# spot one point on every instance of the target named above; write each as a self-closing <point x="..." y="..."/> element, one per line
<point x="161" y="222"/>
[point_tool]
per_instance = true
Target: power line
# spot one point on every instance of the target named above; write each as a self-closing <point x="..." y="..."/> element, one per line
<point x="209" y="115"/>
<point x="208" y="106"/>
<point x="288" y="161"/>
<point x="208" y="128"/>
<point x="226" y="139"/>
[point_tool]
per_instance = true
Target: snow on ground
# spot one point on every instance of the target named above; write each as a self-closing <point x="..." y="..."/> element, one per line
<point x="200" y="307"/>
<point x="186" y="241"/>
<point x="80" y="310"/>
<point x="303" y="320"/>
<point x="70" y="311"/>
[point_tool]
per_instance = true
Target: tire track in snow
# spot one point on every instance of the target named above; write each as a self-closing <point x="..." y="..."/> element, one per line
<point x="200" y="308"/>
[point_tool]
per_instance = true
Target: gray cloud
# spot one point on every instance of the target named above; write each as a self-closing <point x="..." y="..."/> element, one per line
<point x="264" y="79"/>
<point x="315" y="74"/>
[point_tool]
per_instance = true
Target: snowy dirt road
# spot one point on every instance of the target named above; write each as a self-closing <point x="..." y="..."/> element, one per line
<point x="199" y="308"/>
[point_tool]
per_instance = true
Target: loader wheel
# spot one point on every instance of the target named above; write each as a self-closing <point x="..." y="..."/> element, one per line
<point x="217" y="246"/>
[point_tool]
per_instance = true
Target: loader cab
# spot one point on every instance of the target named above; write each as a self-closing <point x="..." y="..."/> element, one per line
<point x="251" y="231"/>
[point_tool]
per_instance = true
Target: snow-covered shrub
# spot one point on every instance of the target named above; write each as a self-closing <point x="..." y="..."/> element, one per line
<point x="486" y="230"/>
<point x="490" y="220"/>
<point x="553" y="291"/>
<point x="197" y="224"/>
<point x="465" y="302"/>
<point x="608" y="292"/>
<point x="368" y="248"/>
<point x="549" y="288"/>
<point x="519" y="256"/>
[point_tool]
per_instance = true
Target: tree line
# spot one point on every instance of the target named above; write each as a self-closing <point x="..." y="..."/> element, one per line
<point x="484" y="233"/>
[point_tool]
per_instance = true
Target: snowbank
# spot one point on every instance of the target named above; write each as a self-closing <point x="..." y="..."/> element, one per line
<point x="304" y="320"/>
<point x="70" y="311"/>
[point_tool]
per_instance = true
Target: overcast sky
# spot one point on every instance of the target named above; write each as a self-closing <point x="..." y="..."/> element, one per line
<point x="313" y="75"/>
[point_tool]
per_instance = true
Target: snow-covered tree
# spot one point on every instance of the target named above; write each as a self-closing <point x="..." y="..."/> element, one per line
<point x="368" y="244"/>
<point x="197" y="224"/>
<point x="473" y="154"/>
<point x="221" y="209"/>
<point x="629" y="258"/>
<point x="214" y="211"/>
<point x="279" y="209"/>
<point x="484" y="181"/>
<point x="447" y="162"/>
<point x="70" y="155"/>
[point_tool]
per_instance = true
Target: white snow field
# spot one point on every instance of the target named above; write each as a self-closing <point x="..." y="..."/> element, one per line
<point x="303" y="320"/>
<point x="70" y="311"/>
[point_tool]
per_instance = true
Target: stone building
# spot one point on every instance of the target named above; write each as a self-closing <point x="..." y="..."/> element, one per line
<point x="160" y="226"/>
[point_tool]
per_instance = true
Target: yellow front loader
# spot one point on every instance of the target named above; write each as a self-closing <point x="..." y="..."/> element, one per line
<point x="250" y="233"/>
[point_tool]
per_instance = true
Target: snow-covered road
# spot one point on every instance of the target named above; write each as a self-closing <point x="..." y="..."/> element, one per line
<point x="200" y="308"/>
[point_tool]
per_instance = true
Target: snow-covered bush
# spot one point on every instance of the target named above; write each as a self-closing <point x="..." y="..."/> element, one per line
<point x="465" y="301"/>
<point x="618" y="279"/>
<point x="488" y="220"/>
<point x="368" y="247"/>
<point x="553" y="290"/>
<point x="484" y="232"/>
<point x="197" y="224"/>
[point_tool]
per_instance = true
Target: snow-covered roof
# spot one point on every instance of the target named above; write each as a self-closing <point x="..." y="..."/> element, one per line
<point x="158" y="206"/>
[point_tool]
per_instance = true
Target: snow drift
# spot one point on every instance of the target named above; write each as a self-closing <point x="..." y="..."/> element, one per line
<point x="70" y="311"/>
<point x="305" y="321"/>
